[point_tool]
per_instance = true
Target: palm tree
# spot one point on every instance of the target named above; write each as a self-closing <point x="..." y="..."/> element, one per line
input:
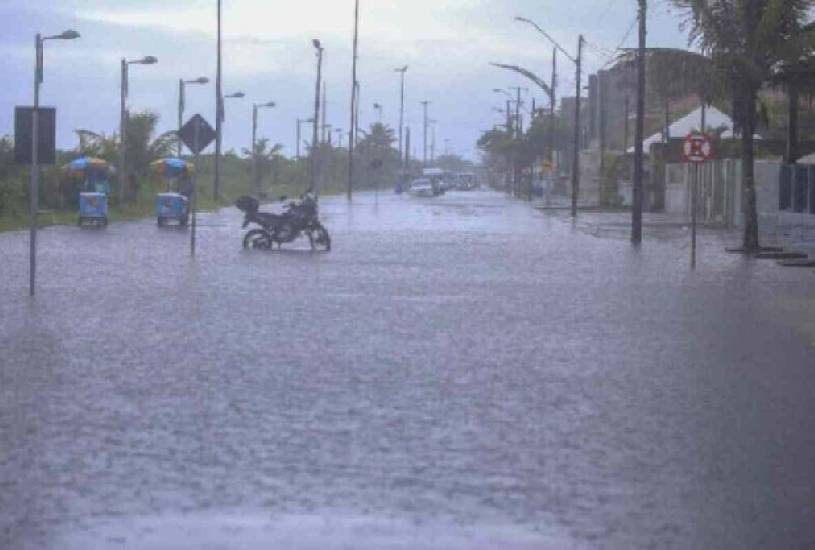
<point x="266" y="158"/>
<point x="377" y="154"/>
<point x="142" y="148"/>
<point x="746" y="39"/>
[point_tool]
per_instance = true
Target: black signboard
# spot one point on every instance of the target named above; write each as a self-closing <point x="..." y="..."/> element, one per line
<point x="47" y="136"/>
<point x="197" y="127"/>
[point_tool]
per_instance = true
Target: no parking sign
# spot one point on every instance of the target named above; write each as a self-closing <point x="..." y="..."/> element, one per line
<point x="697" y="148"/>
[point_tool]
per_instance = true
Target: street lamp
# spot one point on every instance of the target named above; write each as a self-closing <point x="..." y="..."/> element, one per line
<point x="255" y="109"/>
<point x="39" y="41"/>
<point x="577" y="62"/>
<point x="236" y="95"/>
<point x="123" y="117"/>
<point x="314" y="142"/>
<point x="402" y="71"/>
<point x="433" y="140"/>
<point x="182" y="102"/>
<point x="378" y="107"/>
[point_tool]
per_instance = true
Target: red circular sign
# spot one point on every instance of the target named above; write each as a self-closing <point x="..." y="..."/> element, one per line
<point x="697" y="147"/>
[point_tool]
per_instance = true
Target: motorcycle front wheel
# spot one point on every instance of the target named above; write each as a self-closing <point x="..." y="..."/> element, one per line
<point x="319" y="238"/>
<point x="257" y="239"/>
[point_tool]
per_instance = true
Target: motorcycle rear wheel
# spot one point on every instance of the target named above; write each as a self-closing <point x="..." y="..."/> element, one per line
<point x="257" y="239"/>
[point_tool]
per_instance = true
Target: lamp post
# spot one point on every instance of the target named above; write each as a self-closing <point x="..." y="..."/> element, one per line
<point x="432" y="140"/>
<point x="577" y="62"/>
<point x="182" y="88"/>
<point x="35" y="139"/>
<point x="402" y="71"/>
<point x="255" y="109"/>
<point x="316" y="122"/>
<point x="123" y="117"/>
<point x="219" y="107"/>
<point x="424" y="145"/>
<point x="378" y="108"/>
<point x="352" y="133"/>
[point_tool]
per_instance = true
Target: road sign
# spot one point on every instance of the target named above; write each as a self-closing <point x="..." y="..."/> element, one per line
<point x="197" y="134"/>
<point x="46" y="135"/>
<point x="697" y="148"/>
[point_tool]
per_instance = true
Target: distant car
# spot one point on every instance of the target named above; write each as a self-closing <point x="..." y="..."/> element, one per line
<point x="422" y="188"/>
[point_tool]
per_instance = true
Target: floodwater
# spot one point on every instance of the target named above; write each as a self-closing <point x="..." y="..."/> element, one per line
<point x="461" y="372"/>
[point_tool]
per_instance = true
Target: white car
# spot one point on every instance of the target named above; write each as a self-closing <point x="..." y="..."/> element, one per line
<point x="422" y="188"/>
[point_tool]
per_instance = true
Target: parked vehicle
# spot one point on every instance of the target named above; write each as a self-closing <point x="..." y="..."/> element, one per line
<point x="174" y="205"/>
<point x="93" y="209"/>
<point x="94" y="191"/>
<point x="299" y="218"/>
<point x="423" y="188"/>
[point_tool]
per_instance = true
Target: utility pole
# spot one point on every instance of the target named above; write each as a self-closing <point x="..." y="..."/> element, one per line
<point x="510" y="157"/>
<point x="407" y="147"/>
<point x="255" y="183"/>
<point x="552" y="103"/>
<point x="352" y="137"/>
<point x="517" y="111"/>
<point x="123" y="133"/>
<point x="402" y="70"/>
<point x="315" y="143"/>
<point x="219" y="113"/>
<point x="602" y="82"/>
<point x="576" y="159"/>
<point x="297" y="143"/>
<point x="323" y="125"/>
<point x="424" y="155"/>
<point x="433" y="141"/>
<point x="636" y="208"/>
<point x="34" y="184"/>
<point x="181" y="105"/>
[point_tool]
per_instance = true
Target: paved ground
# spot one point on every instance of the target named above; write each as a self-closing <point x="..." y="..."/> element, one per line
<point x="462" y="372"/>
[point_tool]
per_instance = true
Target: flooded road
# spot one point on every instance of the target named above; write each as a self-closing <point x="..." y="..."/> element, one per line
<point x="461" y="372"/>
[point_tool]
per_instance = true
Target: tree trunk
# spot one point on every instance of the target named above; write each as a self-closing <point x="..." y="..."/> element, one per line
<point x="792" y="123"/>
<point x="747" y="114"/>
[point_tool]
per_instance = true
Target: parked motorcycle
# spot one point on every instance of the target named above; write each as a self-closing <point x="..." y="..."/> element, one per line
<point x="299" y="218"/>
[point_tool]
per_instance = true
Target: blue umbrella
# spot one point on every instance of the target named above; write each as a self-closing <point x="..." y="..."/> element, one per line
<point x="172" y="167"/>
<point x="83" y="165"/>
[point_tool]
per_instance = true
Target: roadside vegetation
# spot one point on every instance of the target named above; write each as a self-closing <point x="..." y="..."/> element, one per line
<point x="377" y="165"/>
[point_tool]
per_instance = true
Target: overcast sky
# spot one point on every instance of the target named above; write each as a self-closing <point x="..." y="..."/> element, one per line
<point x="448" y="45"/>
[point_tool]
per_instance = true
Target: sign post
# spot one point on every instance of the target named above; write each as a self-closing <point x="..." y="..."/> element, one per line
<point x="696" y="149"/>
<point x="196" y="134"/>
<point x="34" y="145"/>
